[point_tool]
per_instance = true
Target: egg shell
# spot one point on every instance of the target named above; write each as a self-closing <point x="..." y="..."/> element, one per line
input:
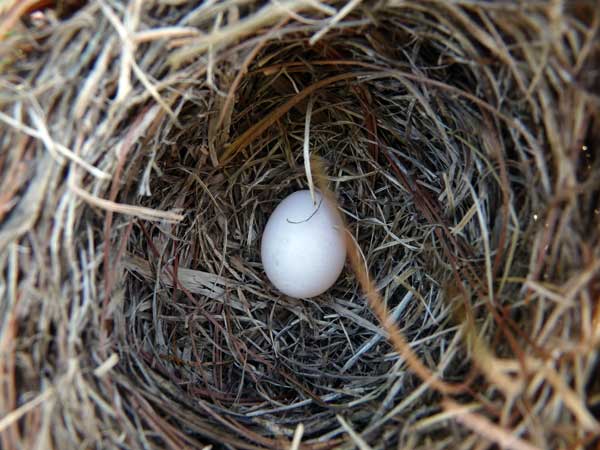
<point x="303" y="249"/>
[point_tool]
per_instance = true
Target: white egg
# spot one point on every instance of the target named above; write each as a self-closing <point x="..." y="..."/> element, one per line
<point x="303" y="250"/>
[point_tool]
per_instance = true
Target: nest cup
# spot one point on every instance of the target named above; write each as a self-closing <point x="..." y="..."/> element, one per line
<point x="144" y="148"/>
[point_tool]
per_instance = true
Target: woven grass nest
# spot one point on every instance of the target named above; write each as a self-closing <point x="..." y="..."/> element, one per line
<point x="143" y="146"/>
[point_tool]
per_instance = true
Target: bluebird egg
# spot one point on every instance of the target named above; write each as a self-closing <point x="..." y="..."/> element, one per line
<point x="303" y="249"/>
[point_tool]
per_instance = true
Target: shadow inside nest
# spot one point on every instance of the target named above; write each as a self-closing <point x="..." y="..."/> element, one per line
<point x="221" y="333"/>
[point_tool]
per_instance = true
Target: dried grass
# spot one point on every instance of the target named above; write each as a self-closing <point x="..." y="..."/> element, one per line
<point x="143" y="146"/>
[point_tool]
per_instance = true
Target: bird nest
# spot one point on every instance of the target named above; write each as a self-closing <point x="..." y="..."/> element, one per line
<point x="144" y="146"/>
